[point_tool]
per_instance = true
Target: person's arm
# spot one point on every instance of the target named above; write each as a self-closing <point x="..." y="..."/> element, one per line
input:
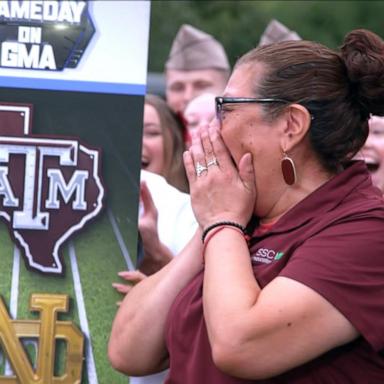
<point x="285" y="324"/>
<point x="137" y="346"/>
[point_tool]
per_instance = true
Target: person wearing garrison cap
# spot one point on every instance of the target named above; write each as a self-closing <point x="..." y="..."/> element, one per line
<point x="196" y="64"/>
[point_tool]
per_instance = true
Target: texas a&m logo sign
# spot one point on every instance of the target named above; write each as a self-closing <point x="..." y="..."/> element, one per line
<point x="49" y="188"/>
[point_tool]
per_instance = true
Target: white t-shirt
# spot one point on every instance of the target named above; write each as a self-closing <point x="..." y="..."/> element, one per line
<point x="176" y="225"/>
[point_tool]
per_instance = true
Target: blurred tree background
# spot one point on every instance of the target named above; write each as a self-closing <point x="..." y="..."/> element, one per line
<point x="238" y="24"/>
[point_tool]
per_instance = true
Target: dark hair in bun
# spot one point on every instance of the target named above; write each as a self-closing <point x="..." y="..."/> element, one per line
<point x="340" y="89"/>
<point x="363" y="55"/>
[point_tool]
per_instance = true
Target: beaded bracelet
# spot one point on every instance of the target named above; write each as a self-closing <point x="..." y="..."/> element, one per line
<point x="222" y="224"/>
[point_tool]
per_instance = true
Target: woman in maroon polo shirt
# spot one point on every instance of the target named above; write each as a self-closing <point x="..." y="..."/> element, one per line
<point x="284" y="280"/>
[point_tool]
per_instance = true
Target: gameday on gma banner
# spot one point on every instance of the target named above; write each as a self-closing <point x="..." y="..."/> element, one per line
<point x="72" y="85"/>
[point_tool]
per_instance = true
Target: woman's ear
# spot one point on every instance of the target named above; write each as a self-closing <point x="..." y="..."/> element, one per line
<point x="298" y="121"/>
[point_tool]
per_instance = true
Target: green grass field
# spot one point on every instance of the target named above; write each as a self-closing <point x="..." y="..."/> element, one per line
<point x="99" y="259"/>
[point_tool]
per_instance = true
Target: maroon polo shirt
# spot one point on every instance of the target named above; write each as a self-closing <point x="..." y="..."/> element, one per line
<point x="333" y="242"/>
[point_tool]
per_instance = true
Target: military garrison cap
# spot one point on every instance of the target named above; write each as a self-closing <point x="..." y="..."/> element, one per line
<point x="276" y="32"/>
<point x="193" y="49"/>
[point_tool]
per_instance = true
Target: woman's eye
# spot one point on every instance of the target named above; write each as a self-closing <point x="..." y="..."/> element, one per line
<point x="151" y="133"/>
<point x="225" y="111"/>
<point x="377" y="132"/>
<point x="151" y="130"/>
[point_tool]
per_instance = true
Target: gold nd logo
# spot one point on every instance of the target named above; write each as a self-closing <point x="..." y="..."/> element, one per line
<point x="48" y="329"/>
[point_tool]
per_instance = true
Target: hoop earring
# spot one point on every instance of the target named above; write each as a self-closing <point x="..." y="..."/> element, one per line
<point x="288" y="169"/>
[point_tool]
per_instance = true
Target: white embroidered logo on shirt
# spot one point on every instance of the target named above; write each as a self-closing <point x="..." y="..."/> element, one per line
<point x="266" y="256"/>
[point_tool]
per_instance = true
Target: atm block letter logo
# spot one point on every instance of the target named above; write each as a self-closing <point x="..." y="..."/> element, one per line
<point x="49" y="189"/>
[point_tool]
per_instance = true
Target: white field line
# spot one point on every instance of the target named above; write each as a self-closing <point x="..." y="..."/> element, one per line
<point x="13" y="309"/>
<point x="13" y="299"/>
<point x="90" y="360"/>
<point x="15" y="283"/>
<point x="120" y="241"/>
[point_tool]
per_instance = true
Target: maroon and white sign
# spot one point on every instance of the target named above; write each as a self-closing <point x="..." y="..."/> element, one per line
<point x="49" y="188"/>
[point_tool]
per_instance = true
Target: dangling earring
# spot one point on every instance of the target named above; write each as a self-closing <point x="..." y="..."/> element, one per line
<point x="288" y="169"/>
